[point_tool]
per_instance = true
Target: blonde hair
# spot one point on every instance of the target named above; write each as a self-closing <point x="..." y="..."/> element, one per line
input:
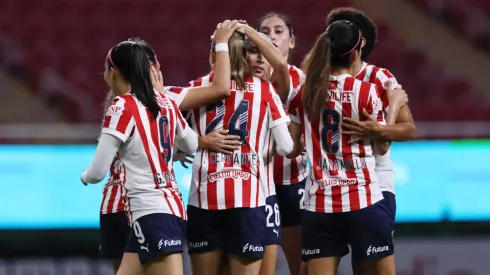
<point x="238" y="63"/>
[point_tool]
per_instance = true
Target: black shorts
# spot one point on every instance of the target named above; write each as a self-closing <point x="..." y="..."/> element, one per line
<point x="368" y="231"/>
<point x="156" y="234"/>
<point x="291" y="203"/>
<point x="114" y="231"/>
<point x="238" y="231"/>
<point x="273" y="221"/>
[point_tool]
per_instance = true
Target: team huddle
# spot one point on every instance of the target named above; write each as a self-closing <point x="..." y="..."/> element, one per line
<point x="283" y="155"/>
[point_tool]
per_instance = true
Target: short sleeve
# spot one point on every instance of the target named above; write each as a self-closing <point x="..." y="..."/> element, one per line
<point x="383" y="80"/>
<point x="119" y="120"/>
<point x="374" y="105"/>
<point x="277" y="114"/>
<point x="176" y="93"/>
<point x="296" y="81"/>
<point x="293" y="108"/>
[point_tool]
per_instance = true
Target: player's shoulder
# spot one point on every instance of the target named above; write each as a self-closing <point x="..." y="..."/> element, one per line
<point x="172" y="89"/>
<point x="165" y="101"/>
<point x="381" y="74"/>
<point x="201" y="81"/>
<point x="295" y="70"/>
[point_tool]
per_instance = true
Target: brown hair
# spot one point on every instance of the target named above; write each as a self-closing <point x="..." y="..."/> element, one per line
<point x="281" y="16"/>
<point x="317" y="67"/>
<point x="238" y="63"/>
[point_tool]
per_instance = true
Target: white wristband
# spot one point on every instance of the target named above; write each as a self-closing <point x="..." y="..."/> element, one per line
<point x="221" y="47"/>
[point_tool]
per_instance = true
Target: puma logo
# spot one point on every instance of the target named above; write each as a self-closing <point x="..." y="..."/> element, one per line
<point x="145" y="248"/>
<point x="275" y="231"/>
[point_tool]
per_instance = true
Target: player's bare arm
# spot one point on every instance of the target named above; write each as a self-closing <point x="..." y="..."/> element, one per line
<point x="220" y="88"/>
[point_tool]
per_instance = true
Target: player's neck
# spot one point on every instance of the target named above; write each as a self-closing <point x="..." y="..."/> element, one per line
<point x="122" y="89"/>
<point x="356" y="67"/>
<point x="340" y="71"/>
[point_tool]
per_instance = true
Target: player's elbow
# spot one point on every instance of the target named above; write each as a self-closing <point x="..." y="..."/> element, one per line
<point x="411" y="131"/>
<point x="285" y="147"/>
<point x="380" y="147"/>
<point x="222" y="89"/>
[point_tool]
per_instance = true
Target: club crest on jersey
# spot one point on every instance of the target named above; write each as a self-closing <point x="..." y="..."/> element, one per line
<point x="276" y="99"/>
<point x="115" y="110"/>
<point x="390" y="81"/>
<point x="164" y="102"/>
<point x="229" y="174"/>
<point x="377" y="105"/>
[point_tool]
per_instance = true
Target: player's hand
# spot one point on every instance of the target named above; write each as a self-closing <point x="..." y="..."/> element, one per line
<point x="396" y="95"/>
<point x="360" y="129"/>
<point x="220" y="141"/>
<point x="224" y="31"/>
<point x="184" y="158"/>
<point x="156" y="79"/>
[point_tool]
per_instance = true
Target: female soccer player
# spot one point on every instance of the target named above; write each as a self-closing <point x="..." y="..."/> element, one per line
<point x="227" y="198"/>
<point x="342" y="194"/>
<point x="400" y="128"/>
<point x="268" y="63"/>
<point x="289" y="174"/>
<point x="114" y="226"/>
<point x="142" y="126"/>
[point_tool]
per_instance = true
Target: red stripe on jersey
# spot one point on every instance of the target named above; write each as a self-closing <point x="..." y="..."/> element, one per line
<point x="295" y="77"/>
<point x="315" y="139"/>
<point x="229" y="182"/>
<point x="247" y="183"/>
<point x="132" y="103"/>
<point x="347" y="149"/>
<point x="212" y="187"/>
<point x="364" y="96"/>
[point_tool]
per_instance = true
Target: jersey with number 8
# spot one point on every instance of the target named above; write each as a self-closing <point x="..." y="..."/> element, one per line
<point x="342" y="177"/>
<point x="146" y="154"/>
<point x="222" y="181"/>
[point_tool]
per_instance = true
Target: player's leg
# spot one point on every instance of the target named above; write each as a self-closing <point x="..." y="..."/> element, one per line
<point x="245" y="246"/>
<point x="323" y="243"/>
<point x="290" y="200"/>
<point x="370" y="235"/>
<point x="157" y="239"/>
<point x="272" y="236"/>
<point x="204" y="237"/>
<point x="114" y="231"/>
<point x="389" y="204"/>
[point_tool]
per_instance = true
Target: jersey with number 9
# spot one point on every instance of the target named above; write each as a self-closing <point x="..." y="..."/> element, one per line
<point x="222" y="181"/>
<point x="146" y="154"/>
<point x="342" y="177"/>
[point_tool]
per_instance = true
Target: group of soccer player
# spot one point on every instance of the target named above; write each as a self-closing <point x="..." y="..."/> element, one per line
<point x="285" y="156"/>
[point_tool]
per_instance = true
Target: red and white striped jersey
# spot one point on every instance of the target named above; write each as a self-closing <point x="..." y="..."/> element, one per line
<point x="222" y="181"/>
<point x="291" y="171"/>
<point x="342" y="177"/>
<point x="381" y="77"/>
<point x="112" y="195"/>
<point x="146" y="155"/>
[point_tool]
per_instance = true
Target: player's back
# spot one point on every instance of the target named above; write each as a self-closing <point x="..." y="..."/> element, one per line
<point x="223" y="181"/>
<point x="342" y="174"/>
<point x="146" y="154"/>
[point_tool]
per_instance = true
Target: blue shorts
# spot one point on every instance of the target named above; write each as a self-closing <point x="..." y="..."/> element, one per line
<point x="114" y="231"/>
<point x="273" y="221"/>
<point x="367" y="231"/>
<point x="238" y="231"/>
<point x="291" y="203"/>
<point x="390" y="204"/>
<point x="156" y="234"/>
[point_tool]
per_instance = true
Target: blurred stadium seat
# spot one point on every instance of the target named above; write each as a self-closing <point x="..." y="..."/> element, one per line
<point x="72" y="41"/>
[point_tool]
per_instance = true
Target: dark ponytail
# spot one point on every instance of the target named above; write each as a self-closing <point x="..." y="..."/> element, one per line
<point x="132" y="61"/>
<point x="332" y="50"/>
<point x="317" y="67"/>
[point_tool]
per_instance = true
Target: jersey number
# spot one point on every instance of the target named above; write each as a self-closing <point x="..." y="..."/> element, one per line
<point x="330" y="131"/>
<point x="273" y="212"/>
<point x="164" y="129"/>
<point x="238" y="121"/>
